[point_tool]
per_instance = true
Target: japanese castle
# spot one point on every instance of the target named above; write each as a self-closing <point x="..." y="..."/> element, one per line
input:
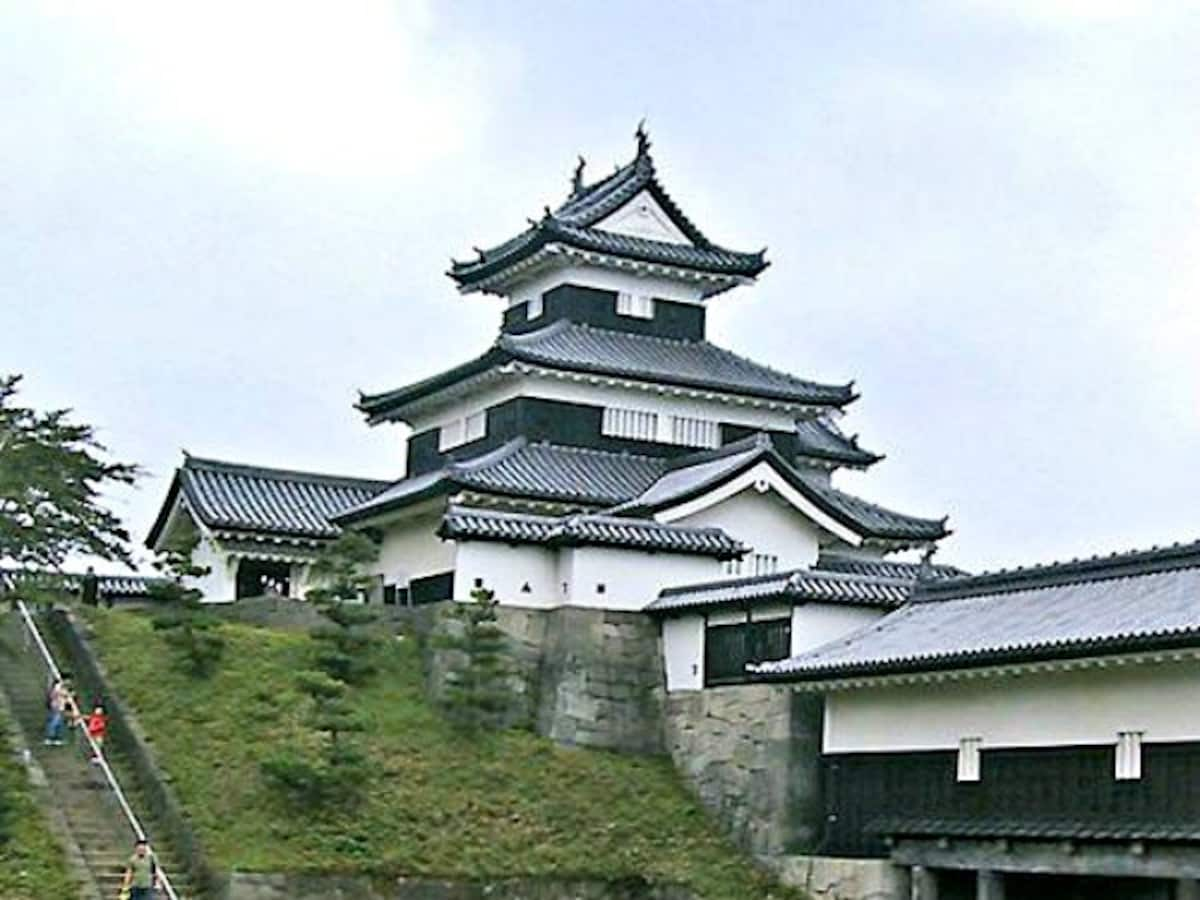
<point x="980" y="733"/>
<point x="600" y="451"/>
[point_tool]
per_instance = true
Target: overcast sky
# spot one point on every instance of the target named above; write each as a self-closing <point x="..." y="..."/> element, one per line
<point x="221" y="219"/>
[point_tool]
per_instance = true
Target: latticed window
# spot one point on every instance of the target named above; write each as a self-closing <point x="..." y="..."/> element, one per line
<point x="693" y="432"/>
<point x="728" y="649"/>
<point x="638" y="306"/>
<point x="635" y="424"/>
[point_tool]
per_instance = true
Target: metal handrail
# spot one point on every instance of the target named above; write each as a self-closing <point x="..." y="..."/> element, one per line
<point x="97" y="752"/>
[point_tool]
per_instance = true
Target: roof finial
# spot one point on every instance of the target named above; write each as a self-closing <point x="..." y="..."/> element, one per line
<point x="926" y="567"/>
<point x="577" y="177"/>
<point x="643" y="139"/>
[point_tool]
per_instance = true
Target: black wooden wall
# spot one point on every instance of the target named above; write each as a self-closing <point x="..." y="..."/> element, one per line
<point x="1072" y="785"/>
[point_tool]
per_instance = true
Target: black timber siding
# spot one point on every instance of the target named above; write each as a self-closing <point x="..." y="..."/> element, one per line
<point x="591" y="306"/>
<point x="1072" y="785"/>
<point x="569" y="424"/>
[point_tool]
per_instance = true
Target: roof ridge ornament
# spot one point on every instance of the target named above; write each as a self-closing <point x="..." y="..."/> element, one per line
<point x="643" y="138"/>
<point x="577" y="177"/>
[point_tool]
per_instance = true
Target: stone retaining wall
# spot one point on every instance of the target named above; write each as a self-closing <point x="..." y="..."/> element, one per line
<point x="752" y="753"/>
<point x="834" y="878"/>
<point x="245" y="886"/>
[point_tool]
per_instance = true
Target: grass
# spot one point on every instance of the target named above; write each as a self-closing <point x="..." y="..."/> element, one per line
<point x="440" y="805"/>
<point x="31" y="860"/>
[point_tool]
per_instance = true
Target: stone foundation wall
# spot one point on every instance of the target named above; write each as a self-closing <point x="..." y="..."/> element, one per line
<point x="585" y="677"/>
<point x="833" y="878"/>
<point x="752" y="754"/>
<point x="244" y="886"/>
<point x="601" y="680"/>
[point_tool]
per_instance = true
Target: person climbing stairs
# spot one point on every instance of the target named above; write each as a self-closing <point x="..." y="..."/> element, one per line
<point x="79" y="788"/>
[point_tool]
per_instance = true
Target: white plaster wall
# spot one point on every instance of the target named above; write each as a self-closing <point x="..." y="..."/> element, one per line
<point x="631" y="579"/>
<point x="506" y="569"/>
<point x="660" y="399"/>
<point x="609" y="280"/>
<point x="814" y="624"/>
<point x="1035" y="710"/>
<point x="220" y="584"/>
<point x="411" y="549"/>
<point x="683" y="652"/>
<point x="767" y="524"/>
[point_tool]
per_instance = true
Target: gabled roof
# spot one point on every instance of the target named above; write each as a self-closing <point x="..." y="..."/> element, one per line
<point x="572" y="347"/>
<point x="585" y="529"/>
<point x="575" y="475"/>
<point x="822" y="441"/>
<point x="573" y="224"/>
<point x="798" y="586"/>
<point x="633" y="485"/>
<point x="240" y="498"/>
<point x="1123" y="603"/>
<point x="692" y="476"/>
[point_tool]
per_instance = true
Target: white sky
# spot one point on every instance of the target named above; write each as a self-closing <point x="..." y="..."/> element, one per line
<point x="221" y="219"/>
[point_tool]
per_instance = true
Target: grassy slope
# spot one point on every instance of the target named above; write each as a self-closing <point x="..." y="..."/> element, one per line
<point x="31" y="861"/>
<point x="503" y="804"/>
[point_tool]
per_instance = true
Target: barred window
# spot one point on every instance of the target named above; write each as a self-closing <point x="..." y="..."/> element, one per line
<point x="693" y="432"/>
<point x="534" y="307"/>
<point x="635" y="424"/>
<point x="637" y="306"/>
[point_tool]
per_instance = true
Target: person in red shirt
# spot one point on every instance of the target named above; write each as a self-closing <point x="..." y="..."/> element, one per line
<point x="97" y="727"/>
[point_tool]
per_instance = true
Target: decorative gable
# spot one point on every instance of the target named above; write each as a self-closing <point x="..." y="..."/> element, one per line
<point x="644" y="217"/>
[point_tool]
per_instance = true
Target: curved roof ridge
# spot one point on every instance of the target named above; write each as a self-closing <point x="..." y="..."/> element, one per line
<point x="256" y="471"/>
<point x="1117" y="564"/>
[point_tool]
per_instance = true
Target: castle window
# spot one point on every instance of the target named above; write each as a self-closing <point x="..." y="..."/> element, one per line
<point x="728" y="649"/>
<point x="1129" y="756"/>
<point x="450" y="434"/>
<point x="475" y="426"/>
<point x="637" y="306"/>
<point x="765" y="563"/>
<point x="692" y="432"/>
<point x="462" y="431"/>
<point x="968" y="758"/>
<point x="534" y="307"/>
<point x="635" y="424"/>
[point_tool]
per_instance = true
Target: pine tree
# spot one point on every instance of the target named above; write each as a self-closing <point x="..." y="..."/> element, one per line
<point x="477" y="691"/>
<point x="188" y="626"/>
<point x="346" y="641"/>
<point x="52" y="472"/>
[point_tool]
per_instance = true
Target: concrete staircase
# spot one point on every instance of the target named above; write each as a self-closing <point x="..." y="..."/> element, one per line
<point x="88" y="806"/>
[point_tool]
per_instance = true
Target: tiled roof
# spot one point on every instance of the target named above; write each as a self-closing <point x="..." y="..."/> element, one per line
<point x="799" y="586"/>
<point x="1082" y="828"/>
<point x="231" y="496"/>
<point x="589" y="478"/>
<point x="882" y="568"/>
<point x="694" y="475"/>
<point x="573" y="224"/>
<point x="1134" y="601"/>
<point x="520" y="528"/>
<point x="569" y="346"/>
<point x="108" y="585"/>
<point x="823" y="441"/>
